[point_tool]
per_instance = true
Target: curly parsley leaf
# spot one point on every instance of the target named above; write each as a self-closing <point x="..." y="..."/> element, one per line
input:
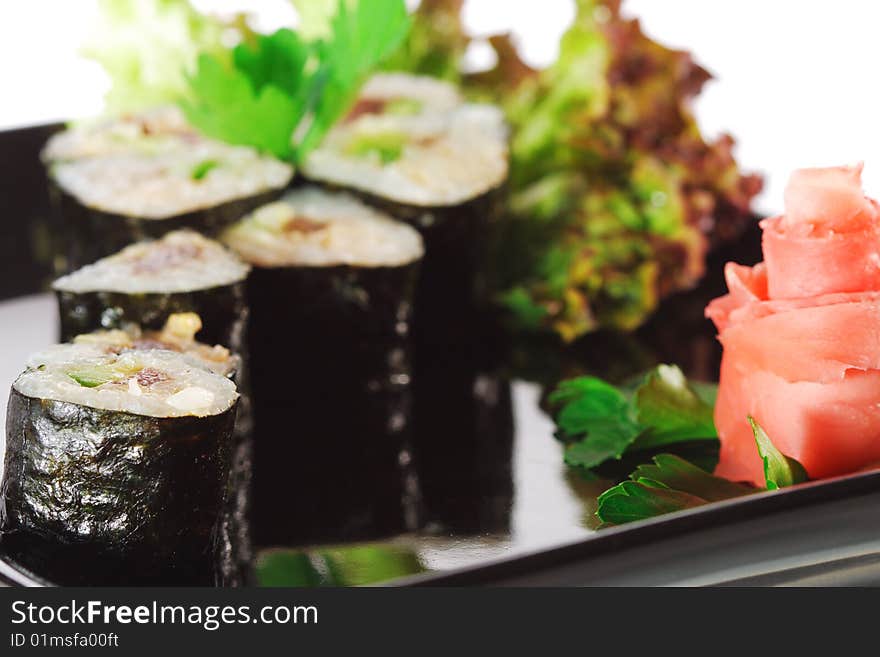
<point x="669" y="484"/>
<point x="600" y="422"/>
<point x="779" y="470"/>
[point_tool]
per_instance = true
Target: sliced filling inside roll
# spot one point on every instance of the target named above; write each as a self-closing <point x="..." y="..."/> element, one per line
<point x="312" y="227"/>
<point x="408" y="141"/>
<point x="156" y="166"/>
<point x="178" y="335"/>
<point x="404" y="94"/>
<point x="151" y="382"/>
<point x="181" y="261"/>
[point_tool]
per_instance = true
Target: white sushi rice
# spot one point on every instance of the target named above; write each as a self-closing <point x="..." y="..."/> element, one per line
<point x="152" y="131"/>
<point x="155" y="166"/>
<point x="448" y="157"/>
<point x="181" y="261"/>
<point x="432" y="93"/>
<point x="315" y="228"/>
<point x="154" y="383"/>
<point x="159" y="186"/>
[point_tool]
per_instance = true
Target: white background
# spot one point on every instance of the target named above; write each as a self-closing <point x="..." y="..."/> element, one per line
<point x="796" y="80"/>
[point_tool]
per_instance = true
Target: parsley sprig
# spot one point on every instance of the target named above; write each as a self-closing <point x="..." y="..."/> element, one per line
<point x="668" y="484"/>
<point x="672" y="484"/>
<point x="600" y="422"/>
<point x="281" y="93"/>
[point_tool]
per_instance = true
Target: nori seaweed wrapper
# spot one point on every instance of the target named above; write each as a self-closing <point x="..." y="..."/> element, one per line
<point x="330" y="365"/>
<point x="455" y="288"/>
<point x="462" y="437"/>
<point x="83" y="235"/>
<point x="236" y="546"/>
<point x="222" y="309"/>
<point x="91" y="496"/>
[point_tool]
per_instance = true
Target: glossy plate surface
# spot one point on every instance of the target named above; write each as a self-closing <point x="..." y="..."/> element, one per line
<point x="495" y="488"/>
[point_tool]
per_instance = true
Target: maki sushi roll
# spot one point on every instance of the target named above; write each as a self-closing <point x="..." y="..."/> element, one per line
<point x="146" y="282"/>
<point x="178" y="335"/>
<point x="330" y="293"/>
<point x="140" y="176"/>
<point x="413" y="148"/>
<point x="116" y="466"/>
<point x="166" y="292"/>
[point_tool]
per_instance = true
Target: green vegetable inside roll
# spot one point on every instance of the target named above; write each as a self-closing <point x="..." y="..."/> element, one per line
<point x="117" y="465"/>
<point x="412" y="147"/>
<point x="330" y="294"/>
<point x="122" y="180"/>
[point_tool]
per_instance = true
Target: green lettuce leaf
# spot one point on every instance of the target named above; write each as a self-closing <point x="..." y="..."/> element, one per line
<point x="608" y="167"/>
<point x="149" y="48"/>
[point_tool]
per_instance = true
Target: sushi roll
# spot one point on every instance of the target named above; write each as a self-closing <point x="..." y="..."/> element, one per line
<point x="117" y="465"/>
<point x="178" y="334"/>
<point x="330" y="293"/>
<point x="146" y="282"/>
<point x="168" y="291"/>
<point x="413" y="148"/>
<point x="141" y="176"/>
